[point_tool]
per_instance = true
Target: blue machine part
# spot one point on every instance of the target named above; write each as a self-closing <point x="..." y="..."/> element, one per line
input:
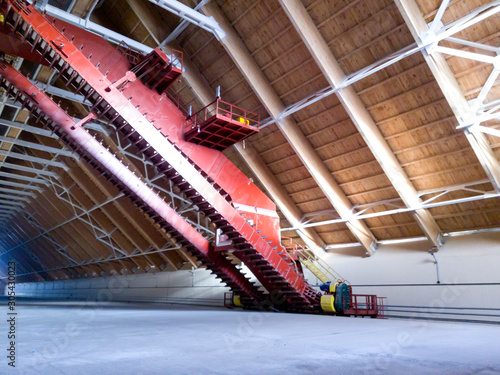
<point x="325" y="287"/>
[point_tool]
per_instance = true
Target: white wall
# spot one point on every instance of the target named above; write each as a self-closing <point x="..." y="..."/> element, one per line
<point x="404" y="273"/>
<point x="172" y="287"/>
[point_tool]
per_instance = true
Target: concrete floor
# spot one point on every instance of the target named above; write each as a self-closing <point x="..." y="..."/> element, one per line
<point x="74" y="338"/>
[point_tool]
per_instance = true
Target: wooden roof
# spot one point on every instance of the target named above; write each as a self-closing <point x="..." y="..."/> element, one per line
<point x="404" y="100"/>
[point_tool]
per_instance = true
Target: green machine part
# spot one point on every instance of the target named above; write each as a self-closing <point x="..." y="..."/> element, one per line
<point x="342" y="297"/>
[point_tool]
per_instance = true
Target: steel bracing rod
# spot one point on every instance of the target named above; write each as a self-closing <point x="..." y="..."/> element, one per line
<point x="7" y="203"/>
<point x="36" y="171"/>
<point x="465" y="54"/>
<point x="477" y="15"/>
<point x="61" y="93"/>
<point x="9" y="210"/>
<point x="490" y="82"/>
<point x="193" y="16"/>
<point x="487" y="130"/>
<point x="436" y="22"/>
<point x="24" y="186"/>
<point x="468" y="43"/>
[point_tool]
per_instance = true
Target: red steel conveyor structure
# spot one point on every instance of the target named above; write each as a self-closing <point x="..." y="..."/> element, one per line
<point x="155" y="126"/>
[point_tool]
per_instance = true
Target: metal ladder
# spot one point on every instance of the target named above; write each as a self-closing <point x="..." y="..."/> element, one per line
<point x="317" y="265"/>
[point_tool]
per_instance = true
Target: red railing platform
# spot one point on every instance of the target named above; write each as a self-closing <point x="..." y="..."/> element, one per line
<point x="220" y="125"/>
<point x="363" y="305"/>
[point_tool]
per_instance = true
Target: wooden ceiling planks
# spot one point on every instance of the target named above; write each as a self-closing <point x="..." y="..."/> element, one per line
<point x="404" y="100"/>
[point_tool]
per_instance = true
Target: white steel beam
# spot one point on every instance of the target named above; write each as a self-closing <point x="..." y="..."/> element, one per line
<point x="181" y="27"/>
<point x="446" y="79"/>
<point x="6" y="203"/>
<point x="27" y="128"/>
<point x="90" y="125"/>
<point x="193" y="16"/>
<point x="38" y="146"/>
<point x="64" y="94"/>
<point x="33" y="159"/>
<point x="17" y="192"/>
<point x="415" y="239"/>
<point x="22" y="186"/>
<point x="360" y="116"/>
<point x="31" y="170"/>
<point x="14" y="197"/>
<point x="303" y="148"/>
<point x="23" y="178"/>
<point x="109" y="35"/>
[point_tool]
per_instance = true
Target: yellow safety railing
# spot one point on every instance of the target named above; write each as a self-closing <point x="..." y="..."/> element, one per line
<point x="312" y="262"/>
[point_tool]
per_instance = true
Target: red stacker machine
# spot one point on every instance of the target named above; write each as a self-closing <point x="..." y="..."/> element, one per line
<point x="130" y="92"/>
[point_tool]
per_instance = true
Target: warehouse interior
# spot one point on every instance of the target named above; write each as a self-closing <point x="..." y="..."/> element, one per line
<point x="254" y="180"/>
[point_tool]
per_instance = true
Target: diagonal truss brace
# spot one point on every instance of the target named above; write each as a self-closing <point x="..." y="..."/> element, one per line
<point x="430" y="199"/>
<point x="469" y="115"/>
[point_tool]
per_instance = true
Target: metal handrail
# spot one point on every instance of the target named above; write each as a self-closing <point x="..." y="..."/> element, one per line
<point x="177" y="59"/>
<point x="357" y="305"/>
<point x="222" y="108"/>
<point x="177" y="100"/>
<point x="310" y="260"/>
<point x="132" y="55"/>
